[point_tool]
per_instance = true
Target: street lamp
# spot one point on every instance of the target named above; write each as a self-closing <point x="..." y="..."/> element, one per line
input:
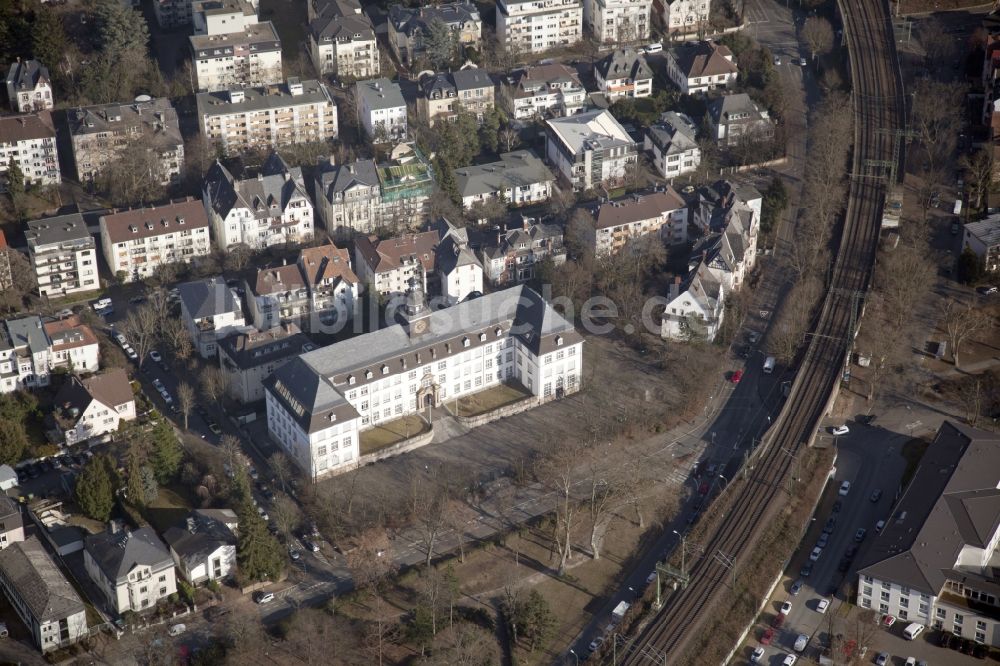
<point x="683" y="548"/>
<point x="724" y="479"/>
<point x="575" y="656"/>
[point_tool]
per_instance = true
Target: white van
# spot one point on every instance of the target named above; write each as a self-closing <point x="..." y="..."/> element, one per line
<point x="655" y="47"/>
<point x="913" y="630"/>
<point x="769" y="365"/>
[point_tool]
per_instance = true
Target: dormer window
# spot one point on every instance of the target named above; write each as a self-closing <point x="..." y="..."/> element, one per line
<point x="368" y="374"/>
<point x="332" y="417"/>
<point x="385" y="369"/>
<point x="350" y="379"/>
<point x="465" y="342"/>
<point x="498" y="332"/>
<point x="559" y="340"/>
<point x="482" y="337"/>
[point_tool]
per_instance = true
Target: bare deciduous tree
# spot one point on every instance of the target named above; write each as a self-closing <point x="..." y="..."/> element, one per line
<point x="142" y="328"/>
<point x="212" y="382"/>
<point x="818" y="35"/>
<point x="557" y="471"/>
<point x="962" y="322"/>
<point x="936" y="117"/>
<point x="185" y="401"/>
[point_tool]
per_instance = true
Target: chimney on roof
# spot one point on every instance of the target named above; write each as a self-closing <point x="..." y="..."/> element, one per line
<point x="192" y="525"/>
<point x="260" y="176"/>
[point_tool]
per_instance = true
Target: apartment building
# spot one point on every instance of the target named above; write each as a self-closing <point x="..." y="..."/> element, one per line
<point x="204" y="546"/>
<point x="41" y="596"/>
<point x="250" y="57"/>
<point x="698" y="67"/>
<point x="680" y="17"/>
<point x="319" y="403"/>
<point x="86" y="409"/>
<point x="136" y="241"/>
<point x="518" y="178"/>
<point x="736" y="118"/>
<point x="543" y="90"/>
<point x="459" y="271"/>
<point x="983" y="238"/>
<point x="72" y="345"/>
<point x="133" y="569"/>
<point x="29" y="141"/>
<point x="662" y="214"/>
<point x="382" y="110"/>
<point x="590" y="149"/>
<point x="342" y="42"/>
<point x="532" y="26"/>
<point x="443" y="95"/>
<point x="934" y="561"/>
<point x="222" y="17"/>
<point x="672" y="145"/>
<point x="409" y="25"/>
<point x="29" y="87"/>
<point x="210" y="311"/>
<point x="63" y="255"/>
<point x="99" y="133"/>
<point x="622" y="74"/>
<point x="172" y="13"/>
<point x="248" y="358"/>
<point x="269" y="208"/>
<point x="239" y="120"/>
<point x="512" y="255"/>
<point x="387" y="266"/>
<point x="618" y="21"/>
<point x="30" y="351"/>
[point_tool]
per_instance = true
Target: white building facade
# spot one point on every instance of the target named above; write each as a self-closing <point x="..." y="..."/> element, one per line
<point x="29" y="141"/>
<point x="250" y="57"/>
<point x="533" y="26"/>
<point x="382" y="110"/>
<point x="63" y="254"/>
<point x="590" y="149"/>
<point x="618" y="21"/>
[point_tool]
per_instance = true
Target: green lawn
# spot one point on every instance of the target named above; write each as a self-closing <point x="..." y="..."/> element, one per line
<point x="391" y="432"/>
<point x="488" y="400"/>
<point x="169" y="509"/>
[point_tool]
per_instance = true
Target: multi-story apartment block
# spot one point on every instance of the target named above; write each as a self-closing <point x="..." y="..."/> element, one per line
<point x="342" y="41"/>
<point x="672" y="144"/>
<point x="99" y="133"/>
<point x="387" y="266"/>
<point x="618" y="21"/>
<point x="409" y="25"/>
<point x="519" y="178"/>
<point x="319" y="403"/>
<point x="701" y="66"/>
<point x="250" y="57"/>
<point x="29" y="141"/>
<point x="662" y="214"/>
<point x="210" y="311"/>
<point x="133" y="569"/>
<point x="248" y="358"/>
<point x="63" y="254"/>
<point x="682" y="16"/>
<point x="934" y="561"/>
<point x="624" y="74"/>
<point x="88" y="408"/>
<point x="172" y="13"/>
<point x="136" y="241"/>
<point x="512" y="255"/>
<point x="590" y="149"/>
<point x="983" y="238"/>
<point x="29" y="87"/>
<point x="259" y="211"/>
<point x="72" y="345"/>
<point x="536" y="25"/>
<point x="222" y="17"/>
<point x="382" y="110"/>
<point x="736" y="118"/>
<point x="41" y="596"/>
<point x="543" y="90"/>
<point x="443" y="95"/>
<point x="240" y="120"/>
<point x="31" y="350"/>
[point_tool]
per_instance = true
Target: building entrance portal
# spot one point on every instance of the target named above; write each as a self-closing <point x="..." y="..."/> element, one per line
<point x="427" y="394"/>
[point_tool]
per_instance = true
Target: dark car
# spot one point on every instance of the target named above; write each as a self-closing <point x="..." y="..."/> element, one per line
<point x="806" y="570"/>
<point x="851" y="552"/>
<point x="844" y="564"/>
<point x="744" y="351"/>
<point x="837" y="506"/>
<point x="33" y="471"/>
<point x="831" y="523"/>
<point x="876" y="495"/>
<point x="954" y="642"/>
<point x="778" y="620"/>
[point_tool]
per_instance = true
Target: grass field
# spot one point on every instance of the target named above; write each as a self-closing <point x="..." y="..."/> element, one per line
<point x="169" y="509"/>
<point x="392" y="432"/>
<point x="488" y="400"/>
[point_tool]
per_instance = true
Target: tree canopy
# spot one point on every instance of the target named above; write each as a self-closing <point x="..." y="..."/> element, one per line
<point x="95" y="488"/>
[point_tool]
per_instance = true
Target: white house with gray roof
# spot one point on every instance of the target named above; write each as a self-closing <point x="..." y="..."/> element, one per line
<point x="319" y="403"/>
<point x="735" y="118"/>
<point x="624" y="74"/>
<point x="589" y="149"/>
<point x="63" y="254"/>
<point x="41" y="596"/>
<point x="247" y="57"/>
<point x="381" y="109"/>
<point x="269" y="208"/>
<point x="210" y="310"/>
<point x="672" y="144"/>
<point x="518" y="178"/>
<point x="29" y="86"/>
<point x="204" y="547"/>
<point x="133" y="569"/>
<point x="342" y="41"/>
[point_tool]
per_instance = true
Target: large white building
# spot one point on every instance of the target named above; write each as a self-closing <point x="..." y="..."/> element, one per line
<point x="342" y="41"/>
<point x="63" y="254"/>
<point x="29" y="141"/>
<point x="662" y="214"/>
<point x="531" y="26"/>
<point x="249" y="57"/>
<point x="382" y="110"/>
<point x="248" y="358"/>
<point x="935" y="561"/>
<point x="221" y="17"/>
<point x="270" y="208"/>
<point x="30" y="351"/>
<point x="319" y="403"/>
<point x="543" y="90"/>
<point x="518" y="178"/>
<point x="136" y="241"/>
<point x="618" y="21"/>
<point x="133" y="569"/>
<point x="590" y="149"/>
<point x="89" y="408"/>
<point x="210" y="311"/>
<point x="682" y="16"/>
<point x="672" y="145"/>
<point x="622" y="74"/>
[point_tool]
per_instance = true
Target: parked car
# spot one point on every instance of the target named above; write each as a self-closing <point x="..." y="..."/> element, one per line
<point x="757" y="655"/>
<point x="176" y="630"/>
<point x="840" y="430"/>
<point x="262" y="597"/>
<point x="859" y="536"/>
<point x="879" y="525"/>
<point x="214" y="427"/>
<point x="882" y="659"/>
<point x="790" y="660"/>
<point x="595" y="644"/>
<point x="837" y="506"/>
<point x="806" y="569"/>
<point x="888" y="620"/>
<point x="786" y="608"/>
<point x="845" y="488"/>
<point x="736" y="376"/>
<point x="294" y="554"/>
<point x="822" y="606"/>
<point x="155" y="356"/>
<point x="823" y="540"/>
<point x="831" y="523"/>
<point x="815" y="554"/>
<point x="795" y="588"/>
<point x="876" y="495"/>
<point x="767" y="636"/>
<point x="800" y="643"/>
<point x="777" y="60"/>
<point x="311" y="545"/>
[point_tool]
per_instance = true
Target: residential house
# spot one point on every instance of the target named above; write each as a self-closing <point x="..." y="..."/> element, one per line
<point x="239" y="120"/>
<point x="271" y="208"/>
<point x="31" y="350"/>
<point x="544" y="90"/>
<point x="443" y="95"/>
<point x="681" y="17"/>
<point x="204" y="548"/>
<point x="172" y="13"/>
<point x="342" y="41"/>
<point x="387" y="266"/>
<point x="29" y="87"/>
<point x="408" y="27"/>
<point x="100" y="133"/>
<point x="618" y="21"/>
<point x="532" y="26"/>
<point x="459" y="272"/>
<point x="29" y="141"/>
<point x="348" y="196"/>
<point x="622" y="74"/>
<point x="248" y="358"/>
<point x="41" y="596"/>
<point x="590" y="149"/>
<point x="86" y="409"/>
<point x="518" y="178"/>
<point x="735" y="118"/>
<point x="319" y="403"/>
<point x="222" y="17"/>
<point x="697" y="67"/>
<point x="247" y="58"/>
<point x="135" y="242"/>
<point x="511" y="256"/>
<point x="382" y="110"/>
<point x="933" y="561"/>
<point x="672" y="144"/>
<point x="63" y="255"/>
<point x="11" y="521"/>
<point x="983" y="238"/>
<point x="72" y="345"/>
<point x="210" y="311"/>
<point x="662" y="213"/>
<point x="133" y="569"/>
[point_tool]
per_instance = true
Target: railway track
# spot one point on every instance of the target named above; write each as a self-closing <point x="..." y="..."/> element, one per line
<point x="878" y="111"/>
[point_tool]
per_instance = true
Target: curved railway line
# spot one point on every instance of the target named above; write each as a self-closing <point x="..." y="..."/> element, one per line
<point x="878" y="112"/>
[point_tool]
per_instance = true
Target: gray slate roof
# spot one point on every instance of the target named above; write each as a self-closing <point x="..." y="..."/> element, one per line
<point x="738" y="107"/>
<point x="413" y="20"/>
<point x="987" y="231"/>
<point x="262" y="99"/>
<point x="380" y="94"/>
<point x="157" y="116"/>
<point x="624" y="63"/>
<point x="266" y="196"/>
<point x="38" y="581"/>
<point x="28" y="332"/>
<point x="258" y="37"/>
<point x="207" y="298"/>
<point x="58" y="229"/>
<point x="198" y="538"/>
<point x="118" y="553"/>
<point x="256" y="348"/>
<point x="521" y="167"/>
<point x="675" y="133"/>
<point x="342" y="177"/>
<point x="26" y="75"/>
<point x="333" y="26"/>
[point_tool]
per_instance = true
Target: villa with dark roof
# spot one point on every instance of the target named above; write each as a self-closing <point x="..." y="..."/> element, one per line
<point x="89" y="408"/>
<point x="342" y="41"/>
<point x="210" y="311"/>
<point x="204" y="547"/>
<point x="517" y="178"/>
<point x="624" y="73"/>
<point x="701" y="66"/>
<point x="133" y="569"/>
<point x="248" y="358"/>
<point x="512" y="255"/>
<point x="408" y="27"/>
<point x="29" y="86"/>
<point x="442" y="95"/>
